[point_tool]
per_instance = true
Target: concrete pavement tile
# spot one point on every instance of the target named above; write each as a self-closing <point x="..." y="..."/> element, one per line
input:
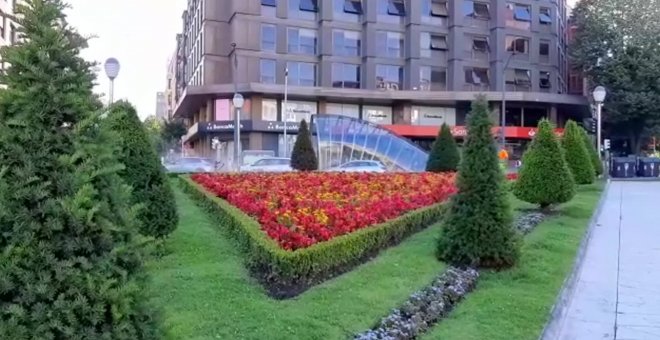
<point x="638" y="332"/>
<point x="575" y="329"/>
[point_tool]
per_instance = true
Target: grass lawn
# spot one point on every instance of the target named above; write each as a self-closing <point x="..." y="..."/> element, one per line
<point x="205" y="292"/>
<point x="516" y="304"/>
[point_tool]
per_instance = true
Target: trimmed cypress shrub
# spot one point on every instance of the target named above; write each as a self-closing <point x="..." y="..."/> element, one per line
<point x="593" y="154"/>
<point x="143" y="171"/>
<point x="303" y="156"/>
<point x="71" y="267"/>
<point x="479" y="229"/>
<point x="444" y="154"/>
<point x="576" y="154"/>
<point x="544" y="177"/>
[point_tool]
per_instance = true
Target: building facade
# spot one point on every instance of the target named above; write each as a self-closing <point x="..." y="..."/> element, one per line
<point x="8" y="33"/>
<point x="408" y="65"/>
<point x="161" y="105"/>
<point x="170" y="87"/>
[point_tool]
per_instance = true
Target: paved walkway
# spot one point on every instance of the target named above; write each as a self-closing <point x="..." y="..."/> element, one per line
<point x="617" y="292"/>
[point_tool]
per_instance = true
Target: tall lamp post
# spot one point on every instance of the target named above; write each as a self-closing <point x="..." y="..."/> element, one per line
<point x="599" y="97"/>
<point x="238" y="105"/>
<point x="503" y="115"/>
<point x="111" y="67"/>
<point x="286" y="110"/>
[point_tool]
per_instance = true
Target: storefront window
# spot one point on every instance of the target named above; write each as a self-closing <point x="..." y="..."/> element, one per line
<point x="436" y="116"/>
<point x="348" y="110"/>
<point x="269" y="110"/>
<point x="298" y="110"/>
<point x="377" y="114"/>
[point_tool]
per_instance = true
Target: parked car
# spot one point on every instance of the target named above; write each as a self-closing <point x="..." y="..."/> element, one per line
<point x="269" y="164"/>
<point x="360" y="166"/>
<point x="190" y="165"/>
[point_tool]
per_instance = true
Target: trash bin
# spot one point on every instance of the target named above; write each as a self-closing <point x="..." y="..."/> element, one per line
<point x="623" y="167"/>
<point x="648" y="167"/>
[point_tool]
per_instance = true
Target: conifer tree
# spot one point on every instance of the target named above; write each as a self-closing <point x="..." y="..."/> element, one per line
<point x="544" y="177"/>
<point x="478" y="230"/>
<point x="577" y="156"/>
<point x="303" y="156"/>
<point x="143" y="172"/>
<point x="70" y="266"/>
<point x="593" y="154"/>
<point x="444" y="154"/>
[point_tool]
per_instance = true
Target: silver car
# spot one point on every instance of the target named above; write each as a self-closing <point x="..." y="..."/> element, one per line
<point x="189" y="165"/>
<point x="360" y="166"/>
<point x="269" y="164"/>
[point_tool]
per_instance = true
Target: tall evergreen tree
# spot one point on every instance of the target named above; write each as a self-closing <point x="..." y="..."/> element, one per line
<point x="444" y="154"/>
<point x="577" y="156"/>
<point x="478" y="230"/>
<point x="70" y="266"/>
<point x="144" y="172"/>
<point x="303" y="156"/>
<point x="593" y="154"/>
<point x="544" y="177"/>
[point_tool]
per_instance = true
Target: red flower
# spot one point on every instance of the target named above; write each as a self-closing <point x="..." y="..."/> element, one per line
<point x="300" y="209"/>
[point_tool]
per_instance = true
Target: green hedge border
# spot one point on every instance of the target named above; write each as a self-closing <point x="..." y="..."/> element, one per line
<point x="288" y="273"/>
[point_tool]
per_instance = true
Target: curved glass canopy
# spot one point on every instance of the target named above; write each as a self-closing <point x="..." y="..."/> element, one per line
<point x="342" y="139"/>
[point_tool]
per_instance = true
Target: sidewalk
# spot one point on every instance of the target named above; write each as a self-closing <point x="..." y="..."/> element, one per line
<point x="617" y="292"/>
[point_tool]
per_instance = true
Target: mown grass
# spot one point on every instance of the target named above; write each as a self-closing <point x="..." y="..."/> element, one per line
<point x="204" y="291"/>
<point x="516" y="304"/>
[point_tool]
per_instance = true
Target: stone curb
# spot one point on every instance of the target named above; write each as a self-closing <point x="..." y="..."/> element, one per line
<point x="636" y="179"/>
<point x="553" y="326"/>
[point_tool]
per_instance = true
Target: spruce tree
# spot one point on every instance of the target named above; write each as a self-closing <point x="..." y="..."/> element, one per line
<point x="544" y="177"/>
<point x="444" y="154"/>
<point x="70" y="266"/>
<point x="593" y="154"/>
<point x="143" y="171"/>
<point x="478" y="230"/>
<point x="576" y="154"/>
<point x="303" y="156"/>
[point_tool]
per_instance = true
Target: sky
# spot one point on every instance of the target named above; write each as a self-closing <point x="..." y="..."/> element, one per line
<point x="140" y="34"/>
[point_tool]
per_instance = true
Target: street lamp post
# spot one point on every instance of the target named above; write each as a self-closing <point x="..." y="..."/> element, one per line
<point x="238" y="104"/>
<point x="503" y="113"/>
<point x="111" y="67"/>
<point x="599" y="97"/>
<point x="286" y="110"/>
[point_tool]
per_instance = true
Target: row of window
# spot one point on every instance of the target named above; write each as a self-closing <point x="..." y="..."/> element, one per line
<point x="390" y="77"/>
<point x="393" y="10"/>
<point x="388" y="44"/>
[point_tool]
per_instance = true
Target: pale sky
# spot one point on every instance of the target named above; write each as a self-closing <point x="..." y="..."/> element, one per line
<point x="140" y="34"/>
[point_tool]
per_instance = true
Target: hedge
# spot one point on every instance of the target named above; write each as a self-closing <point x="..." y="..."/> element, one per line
<point x="289" y="273"/>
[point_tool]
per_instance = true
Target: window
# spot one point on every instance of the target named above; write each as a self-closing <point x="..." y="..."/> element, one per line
<point x="346" y="75"/>
<point x="346" y="43"/>
<point x="267" y="70"/>
<point x="544" y="79"/>
<point x="301" y="41"/>
<point x="432" y="78"/>
<point x="517" y="45"/>
<point x="430" y="42"/>
<point x="544" y="16"/>
<point x="477" y="76"/>
<point x="518" y="16"/>
<point x="268" y="8"/>
<point x="480" y="44"/>
<point x="268" y="38"/>
<point x="303" y="9"/>
<point x="439" y="8"/>
<point x="518" y="77"/>
<point x="477" y="10"/>
<point x="544" y="48"/>
<point x="302" y="74"/>
<point x="352" y="6"/>
<point x="389" y="44"/>
<point x="269" y="110"/>
<point x="391" y="8"/>
<point x="389" y="77"/>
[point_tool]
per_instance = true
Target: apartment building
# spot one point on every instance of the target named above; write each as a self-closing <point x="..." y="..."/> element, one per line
<point x="405" y="65"/>
<point x="170" y="87"/>
<point x="7" y="25"/>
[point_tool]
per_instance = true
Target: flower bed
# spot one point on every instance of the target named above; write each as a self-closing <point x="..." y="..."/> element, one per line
<point x="287" y="268"/>
<point x="301" y="209"/>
